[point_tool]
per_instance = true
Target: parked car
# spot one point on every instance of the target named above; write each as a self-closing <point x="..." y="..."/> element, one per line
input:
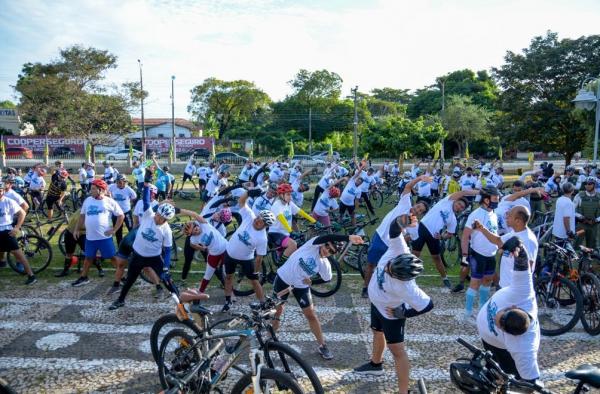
<point x="123" y="154"/>
<point x="18" y="152"/>
<point x="198" y="153"/>
<point x="324" y="155"/>
<point x="307" y="161"/>
<point x="64" y="151"/>
<point x="230" y="157"/>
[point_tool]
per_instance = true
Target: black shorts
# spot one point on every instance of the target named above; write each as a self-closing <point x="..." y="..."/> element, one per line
<point x="302" y="296"/>
<point x="126" y="245"/>
<point x="202" y="182"/>
<point x="346" y="208"/>
<point x="502" y="357"/>
<point x="8" y="243"/>
<point x="278" y="239"/>
<point x="425" y="237"/>
<point x="71" y="243"/>
<point x="51" y="201"/>
<point x="393" y="330"/>
<point x="481" y="265"/>
<point x="231" y="265"/>
<point x="186" y="177"/>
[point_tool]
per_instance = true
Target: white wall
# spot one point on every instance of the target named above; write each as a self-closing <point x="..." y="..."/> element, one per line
<point x="166" y="131"/>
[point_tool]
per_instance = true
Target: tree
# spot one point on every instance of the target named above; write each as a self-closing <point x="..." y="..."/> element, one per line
<point x="399" y="96"/>
<point x="310" y="87"/>
<point x="465" y="121"/>
<point x="228" y="103"/>
<point x="538" y="86"/>
<point x="7" y="104"/>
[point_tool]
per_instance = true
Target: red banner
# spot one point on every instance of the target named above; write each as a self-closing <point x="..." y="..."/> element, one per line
<point x="162" y="145"/>
<point x="37" y="144"/>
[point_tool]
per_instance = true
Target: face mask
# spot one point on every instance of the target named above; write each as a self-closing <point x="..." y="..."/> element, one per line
<point x="493" y="205"/>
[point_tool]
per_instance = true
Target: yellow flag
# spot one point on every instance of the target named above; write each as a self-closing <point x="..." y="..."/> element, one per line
<point x="436" y="155"/>
<point x="467" y="151"/>
<point x="530" y="157"/>
<point x="500" y="152"/>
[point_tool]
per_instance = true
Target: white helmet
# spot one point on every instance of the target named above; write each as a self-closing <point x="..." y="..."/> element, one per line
<point x="167" y="211"/>
<point x="153" y="189"/>
<point x="267" y="217"/>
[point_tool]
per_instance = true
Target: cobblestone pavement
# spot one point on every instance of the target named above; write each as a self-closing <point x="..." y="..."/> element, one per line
<point x="59" y="339"/>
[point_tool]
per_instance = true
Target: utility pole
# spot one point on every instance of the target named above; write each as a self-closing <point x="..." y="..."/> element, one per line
<point x="355" y="91"/>
<point x="173" y="118"/>
<point x="443" y="114"/>
<point x="309" y="130"/>
<point x="142" y="100"/>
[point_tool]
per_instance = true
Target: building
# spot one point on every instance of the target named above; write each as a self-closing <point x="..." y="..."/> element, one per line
<point x="10" y="120"/>
<point x="162" y="128"/>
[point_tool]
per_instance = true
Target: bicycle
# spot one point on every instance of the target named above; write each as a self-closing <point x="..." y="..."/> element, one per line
<point x="483" y="369"/>
<point x="355" y="256"/>
<point x="590" y="289"/>
<point x="37" y="251"/>
<point x="205" y="347"/>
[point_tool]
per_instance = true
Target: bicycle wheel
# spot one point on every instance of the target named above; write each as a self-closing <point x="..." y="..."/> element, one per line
<point x="282" y="357"/>
<point x="321" y="288"/>
<point x="37" y="251"/>
<point x="176" y="357"/>
<point x="376" y="198"/>
<point x="242" y="287"/>
<point x="61" y="242"/>
<point x="165" y="324"/>
<point x="362" y="258"/>
<point x="421" y="386"/>
<point x="271" y="381"/>
<point x="589" y="286"/>
<point x="559" y="305"/>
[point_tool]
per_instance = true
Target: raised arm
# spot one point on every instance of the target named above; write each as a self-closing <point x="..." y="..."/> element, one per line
<point x="409" y="186"/>
<point x="523" y="193"/>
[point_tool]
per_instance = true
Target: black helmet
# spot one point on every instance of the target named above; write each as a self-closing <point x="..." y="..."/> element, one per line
<point x="121" y="177"/>
<point x="489" y="191"/>
<point x="405" y="267"/>
<point x="471" y="379"/>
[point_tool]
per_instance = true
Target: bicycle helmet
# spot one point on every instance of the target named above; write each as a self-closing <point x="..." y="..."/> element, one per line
<point x="407" y="174"/>
<point x="63" y="173"/>
<point x="104" y="163"/>
<point x="590" y="180"/>
<point x="100" y="184"/>
<point x="405" y="267"/>
<point x="456" y="174"/>
<point x="167" y="211"/>
<point x="267" y="217"/>
<point x="489" y="191"/>
<point x="273" y="186"/>
<point x="284" y="188"/>
<point x="305" y="186"/>
<point x="471" y="379"/>
<point x="153" y="189"/>
<point x="8" y="179"/>
<point x="570" y="169"/>
<point x="121" y="177"/>
<point x="334" y="192"/>
<point x="166" y="168"/>
<point x="2" y="185"/>
<point x="225" y="215"/>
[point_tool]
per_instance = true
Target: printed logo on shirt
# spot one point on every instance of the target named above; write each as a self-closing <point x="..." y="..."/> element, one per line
<point x="206" y="239"/>
<point x="445" y="215"/>
<point x="324" y="201"/>
<point x="3" y="212"/>
<point x="149" y="235"/>
<point x="352" y="191"/>
<point x="263" y="204"/>
<point x="380" y="278"/>
<point x="492" y="309"/>
<point x="493" y="227"/>
<point x="119" y="197"/>
<point x="309" y="267"/>
<point x="244" y="238"/>
<point x="94" y="210"/>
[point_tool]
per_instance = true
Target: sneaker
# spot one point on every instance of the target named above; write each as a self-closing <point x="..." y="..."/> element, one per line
<point x="447" y="283"/>
<point x="31" y="280"/>
<point x="80" y="281"/>
<point x="469" y="319"/>
<point x="3" y="264"/>
<point x="325" y="353"/>
<point x="116" y="305"/>
<point x="369" y="368"/>
<point x="364" y="293"/>
<point x="458" y="288"/>
<point x="20" y="267"/>
<point x="113" y="289"/>
<point x="62" y="274"/>
<point x="101" y="273"/>
<point x="158" y="292"/>
<point x="227" y="306"/>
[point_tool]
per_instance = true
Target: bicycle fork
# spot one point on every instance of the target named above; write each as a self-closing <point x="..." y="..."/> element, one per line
<point x="256" y="369"/>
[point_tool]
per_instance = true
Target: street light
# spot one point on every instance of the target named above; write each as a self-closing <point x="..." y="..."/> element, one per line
<point x="142" y="105"/>
<point x="586" y="99"/>
<point x="173" y="117"/>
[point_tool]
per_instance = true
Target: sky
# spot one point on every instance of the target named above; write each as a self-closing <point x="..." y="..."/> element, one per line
<point x="372" y="44"/>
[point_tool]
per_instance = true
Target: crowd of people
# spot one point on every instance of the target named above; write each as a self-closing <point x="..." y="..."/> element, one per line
<point x="266" y="200"/>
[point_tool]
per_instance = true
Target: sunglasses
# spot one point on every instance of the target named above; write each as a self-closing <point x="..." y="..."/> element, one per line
<point x="330" y="249"/>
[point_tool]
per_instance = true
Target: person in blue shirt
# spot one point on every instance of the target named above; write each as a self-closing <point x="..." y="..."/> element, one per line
<point x="164" y="181"/>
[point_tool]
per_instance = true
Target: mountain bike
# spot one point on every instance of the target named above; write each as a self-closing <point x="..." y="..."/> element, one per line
<point x="589" y="284"/>
<point x="37" y="251"/>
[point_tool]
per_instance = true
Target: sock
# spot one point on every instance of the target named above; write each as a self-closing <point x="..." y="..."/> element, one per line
<point x="445" y="277"/>
<point x="203" y="285"/>
<point x="484" y="295"/>
<point x="470" y="299"/>
<point x="228" y="299"/>
<point x="116" y="284"/>
<point x="376" y="364"/>
<point x="283" y="259"/>
<point x="158" y="287"/>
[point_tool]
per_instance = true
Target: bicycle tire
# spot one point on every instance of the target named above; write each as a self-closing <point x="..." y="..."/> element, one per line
<point x="362" y="258"/>
<point x="336" y="281"/>
<point x="548" y="292"/>
<point x="61" y="242"/>
<point x="377" y="198"/>
<point x="160" y="325"/>
<point x="283" y="353"/>
<point x="242" y="286"/>
<point x="185" y="355"/>
<point x="281" y="379"/>
<point x="421" y="386"/>
<point x="589" y="285"/>
<point x="37" y="251"/>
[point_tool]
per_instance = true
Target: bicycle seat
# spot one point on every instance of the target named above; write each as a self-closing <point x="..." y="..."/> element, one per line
<point x="199" y="309"/>
<point x="586" y="373"/>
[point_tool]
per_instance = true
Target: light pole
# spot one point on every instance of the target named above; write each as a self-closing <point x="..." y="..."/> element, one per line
<point x="443" y="83"/>
<point x="586" y="99"/>
<point x="142" y="100"/>
<point x="174" y="148"/>
<point x="355" y="91"/>
<point x="309" y="130"/>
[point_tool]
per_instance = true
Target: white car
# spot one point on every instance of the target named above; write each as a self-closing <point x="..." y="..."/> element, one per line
<point x="324" y="155"/>
<point x="307" y="161"/>
<point x="123" y="154"/>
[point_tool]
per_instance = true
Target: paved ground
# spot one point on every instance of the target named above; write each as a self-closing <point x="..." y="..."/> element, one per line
<point x="58" y="339"/>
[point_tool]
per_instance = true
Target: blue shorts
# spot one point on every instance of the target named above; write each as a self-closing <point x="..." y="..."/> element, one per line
<point x="377" y="248"/>
<point x="105" y="246"/>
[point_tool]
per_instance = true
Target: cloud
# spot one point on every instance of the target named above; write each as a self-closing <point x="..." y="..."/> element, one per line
<point x="403" y="44"/>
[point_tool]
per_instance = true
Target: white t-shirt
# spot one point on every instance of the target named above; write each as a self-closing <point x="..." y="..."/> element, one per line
<point x="305" y="263"/>
<point x="261" y="203"/>
<point x="37" y="183"/>
<point x="468" y="182"/>
<point x="138" y="210"/>
<point x="212" y="185"/>
<point x="90" y="174"/>
<point x="351" y="193"/>
<point x="441" y="217"/>
<point x="8" y="209"/>
<point x="211" y="238"/>
<point x="139" y="173"/>
<point x="13" y="195"/>
<point x="504" y="208"/>
<point x="275" y="174"/>
<point x="368" y="180"/>
<point x="294" y="175"/>
<point x="98" y="216"/>
<point x="246" y="239"/>
<point x="385" y="291"/>
<point x="396" y="247"/>
<point x="246" y="173"/>
<point x="479" y="243"/>
<point x="507" y="261"/>
<point x="424" y="189"/>
<point x="83" y="176"/>
<point x="288" y="211"/>
<point x="110" y="174"/>
<point x="522" y="348"/>
<point x="297" y="195"/>
<point x="564" y="208"/>
<point x="151" y="238"/>
<point x="325" y="204"/>
<point x="203" y="172"/>
<point x="402" y="208"/>
<point x="122" y="196"/>
<point x="190" y="169"/>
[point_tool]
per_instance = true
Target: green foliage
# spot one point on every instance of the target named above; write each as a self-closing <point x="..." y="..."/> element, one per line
<point x="398" y="96"/>
<point x="228" y="103"/>
<point x="7" y="104"/>
<point x="538" y="86"/>
<point x="311" y="87"/>
<point x="465" y="122"/>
